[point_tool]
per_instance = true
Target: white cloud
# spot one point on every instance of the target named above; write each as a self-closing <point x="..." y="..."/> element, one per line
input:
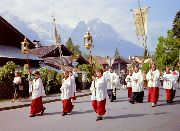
<point x="70" y="12"/>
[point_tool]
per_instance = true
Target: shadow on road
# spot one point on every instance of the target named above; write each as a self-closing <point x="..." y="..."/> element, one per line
<point x="82" y="112"/>
<point x="125" y="116"/>
<point x="161" y="113"/>
<point x="167" y="104"/>
<point x="120" y="100"/>
<point x="52" y="113"/>
<point x="82" y="101"/>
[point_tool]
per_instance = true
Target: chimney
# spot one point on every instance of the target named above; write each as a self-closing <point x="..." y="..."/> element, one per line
<point x="36" y="43"/>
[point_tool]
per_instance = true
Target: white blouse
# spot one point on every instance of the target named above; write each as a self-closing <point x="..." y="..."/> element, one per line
<point x="153" y="78"/>
<point x="99" y="91"/>
<point x="137" y="86"/>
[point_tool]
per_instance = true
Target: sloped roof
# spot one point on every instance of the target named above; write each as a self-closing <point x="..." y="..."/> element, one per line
<point x="52" y="52"/>
<point x="10" y="36"/>
<point x="57" y="61"/>
<point x="14" y="52"/>
<point x="41" y="51"/>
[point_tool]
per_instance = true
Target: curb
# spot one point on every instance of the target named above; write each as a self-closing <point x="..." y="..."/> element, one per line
<point x="44" y="102"/>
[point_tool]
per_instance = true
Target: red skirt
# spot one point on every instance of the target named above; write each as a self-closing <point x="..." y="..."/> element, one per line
<point x="67" y="105"/>
<point x="74" y="97"/>
<point x="99" y="107"/>
<point x="170" y="94"/>
<point x="129" y="92"/>
<point x="36" y="105"/>
<point x="153" y="94"/>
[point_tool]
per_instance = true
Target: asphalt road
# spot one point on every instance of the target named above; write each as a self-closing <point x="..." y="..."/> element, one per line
<point x="120" y="116"/>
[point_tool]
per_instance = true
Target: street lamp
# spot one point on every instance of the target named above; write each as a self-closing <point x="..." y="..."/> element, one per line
<point x="25" y="50"/>
<point x="88" y="40"/>
<point x="88" y="44"/>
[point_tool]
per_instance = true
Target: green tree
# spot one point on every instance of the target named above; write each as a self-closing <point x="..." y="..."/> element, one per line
<point x="116" y="54"/>
<point x="176" y="25"/>
<point x="74" y="48"/>
<point x="7" y="70"/>
<point x="167" y="51"/>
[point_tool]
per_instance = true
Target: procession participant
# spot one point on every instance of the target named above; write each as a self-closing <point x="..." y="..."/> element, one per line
<point x="153" y="78"/>
<point x="73" y="86"/>
<point x="129" y="83"/>
<point x="175" y="82"/>
<point x="112" y="80"/>
<point x="74" y="72"/>
<point x="84" y="80"/>
<point x="123" y="77"/>
<point x="16" y="84"/>
<point x="66" y="92"/>
<point x="137" y="86"/>
<point x="168" y="79"/>
<point x="106" y="72"/>
<point x="99" y="93"/>
<point x="30" y="79"/>
<point x="37" y="93"/>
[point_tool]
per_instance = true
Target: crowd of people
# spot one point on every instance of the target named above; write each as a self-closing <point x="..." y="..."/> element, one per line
<point x="104" y="83"/>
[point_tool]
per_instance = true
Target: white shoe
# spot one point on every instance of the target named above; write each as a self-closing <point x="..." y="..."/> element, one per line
<point x="153" y="105"/>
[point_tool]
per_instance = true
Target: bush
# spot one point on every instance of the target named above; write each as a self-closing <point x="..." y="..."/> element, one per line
<point x="6" y="79"/>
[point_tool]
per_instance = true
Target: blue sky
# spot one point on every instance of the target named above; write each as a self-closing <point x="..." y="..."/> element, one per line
<point x="114" y="12"/>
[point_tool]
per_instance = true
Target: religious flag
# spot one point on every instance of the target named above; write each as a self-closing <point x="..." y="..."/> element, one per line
<point x="140" y="18"/>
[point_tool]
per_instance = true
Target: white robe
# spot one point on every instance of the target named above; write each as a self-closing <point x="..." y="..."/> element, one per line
<point x="73" y="85"/>
<point x="153" y="78"/>
<point x="17" y="80"/>
<point x="137" y="86"/>
<point x="66" y="89"/>
<point x="112" y="80"/>
<point x="38" y="88"/>
<point x="168" y="81"/>
<point x="99" y="92"/>
<point x="129" y="80"/>
<point x="176" y="76"/>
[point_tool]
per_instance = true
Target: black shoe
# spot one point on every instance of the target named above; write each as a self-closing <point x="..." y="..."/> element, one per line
<point x="111" y="100"/>
<point x="63" y="114"/>
<point x="99" y="118"/>
<point x="42" y="112"/>
<point x="172" y="101"/>
<point x="168" y="101"/>
<point x="32" y="115"/>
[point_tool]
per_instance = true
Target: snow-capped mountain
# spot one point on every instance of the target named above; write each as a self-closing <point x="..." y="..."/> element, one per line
<point x="20" y="25"/>
<point x="105" y="38"/>
<point x="45" y="30"/>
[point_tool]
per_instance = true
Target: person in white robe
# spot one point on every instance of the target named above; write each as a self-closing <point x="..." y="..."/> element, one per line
<point x="129" y="83"/>
<point x="176" y="77"/>
<point x="37" y="94"/>
<point x="16" y="85"/>
<point x="30" y="79"/>
<point x="137" y="86"/>
<point x="66" y="94"/>
<point x="112" y="81"/>
<point x="168" y="79"/>
<point x="99" y="92"/>
<point x="73" y="86"/>
<point x="153" y="78"/>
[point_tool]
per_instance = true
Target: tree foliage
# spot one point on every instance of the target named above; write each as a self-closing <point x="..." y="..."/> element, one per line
<point x="176" y="25"/>
<point x="167" y="51"/>
<point x="74" y="48"/>
<point x="7" y="70"/>
<point x="116" y="54"/>
<point x="90" y="69"/>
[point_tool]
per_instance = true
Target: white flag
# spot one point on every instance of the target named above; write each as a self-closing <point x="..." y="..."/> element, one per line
<point x="140" y="18"/>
